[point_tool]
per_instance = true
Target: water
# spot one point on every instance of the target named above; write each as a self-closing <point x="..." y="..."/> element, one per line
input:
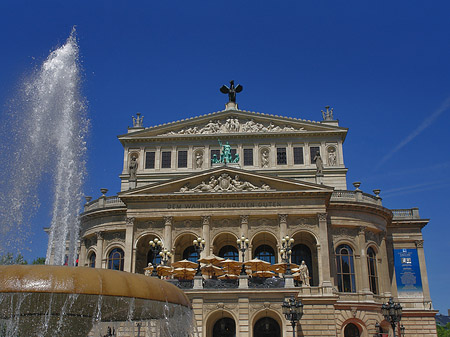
<point x="47" y="128"/>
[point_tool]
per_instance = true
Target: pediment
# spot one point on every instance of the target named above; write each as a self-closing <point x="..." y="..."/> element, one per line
<point x="232" y="122"/>
<point x="226" y="180"/>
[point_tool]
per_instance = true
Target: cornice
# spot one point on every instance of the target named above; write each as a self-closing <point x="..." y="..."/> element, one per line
<point x="362" y="207"/>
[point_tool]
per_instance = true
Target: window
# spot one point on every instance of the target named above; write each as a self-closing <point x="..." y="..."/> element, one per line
<point x="265" y="253"/>
<point x="281" y="156"/>
<point x="229" y="252"/>
<point x="166" y="159"/>
<point x="215" y="155"/>
<point x="92" y="258"/>
<point x="248" y="157"/>
<point x="267" y="327"/>
<point x="301" y="252"/>
<point x="298" y="155"/>
<point x="313" y="151"/>
<point x="115" y="259"/>
<point x="345" y="269"/>
<point x="191" y="254"/>
<point x="151" y="258"/>
<point x="182" y="158"/>
<point x="372" y="266"/>
<point x="150" y="160"/>
<point x="224" y="327"/>
<point x="351" y="330"/>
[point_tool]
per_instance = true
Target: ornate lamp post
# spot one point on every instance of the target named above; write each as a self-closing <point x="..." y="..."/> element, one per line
<point x="392" y="313"/>
<point x="165" y="256"/>
<point x="155" y="246"/>
<point x="293" y="311"/>
<point x="243" y="246"/>
<point x="286" y="251"/>
<point x="199" y="245"/>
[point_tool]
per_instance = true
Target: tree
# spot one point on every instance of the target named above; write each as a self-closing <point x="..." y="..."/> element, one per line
<point x="9" y="259"/>
<point x="39" y="260"/>
<point x="443" y="331"/>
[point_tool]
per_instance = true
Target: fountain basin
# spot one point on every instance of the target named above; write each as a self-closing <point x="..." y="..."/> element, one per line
<point x="67" y="301"/>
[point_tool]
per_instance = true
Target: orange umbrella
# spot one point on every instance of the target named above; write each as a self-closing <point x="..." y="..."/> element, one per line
<point x="211" y="270"/>
<point x="281" y="267"/>
<point x="263" y="273"/>
<point x="184" y="264"/>
<point x="164" y="270"/>
<point x="212" y="259"/>
<point x="228" y="277"/>
<point x="258" y="265"/>
<point x="231" y="266"/>
<point x="184" y="273"/>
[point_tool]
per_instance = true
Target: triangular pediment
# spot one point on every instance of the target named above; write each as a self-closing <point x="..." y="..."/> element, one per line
<point x="226" y="180"/>
<point x="232" y="122"/>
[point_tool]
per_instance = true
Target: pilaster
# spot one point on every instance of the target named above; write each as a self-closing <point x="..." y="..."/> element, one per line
<point x="205" y="235"/>
<point x="363" y="268"/>
<point x="325" y="254"/>
<point x="82" y="259"/>
<point x="244" y="232"/>
<point x="423" y="273"/>
<point x="168" y="221"/>
<point x="99" y="256"/>
<point x="129" y="252"/>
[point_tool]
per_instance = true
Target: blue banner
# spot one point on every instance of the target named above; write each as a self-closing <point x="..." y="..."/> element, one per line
<point x="407" y="271"/>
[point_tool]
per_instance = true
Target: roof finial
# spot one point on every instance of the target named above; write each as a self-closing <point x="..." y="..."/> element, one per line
<point x="138" y="121"/>
<point x="327" y="115"/>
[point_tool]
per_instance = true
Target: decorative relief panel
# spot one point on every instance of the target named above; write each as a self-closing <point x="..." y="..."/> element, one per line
<point x="210" y="307"/>
<point x="233" y="125"/>
<point x="374" y="237"/>
<point x="310" y="224"/>
<point x="114" y="236"/>
<point x="90" y="241"/>
<point x="343" y="233"/>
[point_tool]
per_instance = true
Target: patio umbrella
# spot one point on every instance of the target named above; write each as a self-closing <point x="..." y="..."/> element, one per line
<point x="281" y="267"/>
<point x="231" y="266"/>
<point x="228" y="277"/>
<point x="211" y="270"/>
<point x="263" y="273"/>
<point x="184" y="264"/>
<point x="212" y="259"/>
<point x="184" y="273"/>
<point x="258" y="265"/>
<point x="164" y="270"/>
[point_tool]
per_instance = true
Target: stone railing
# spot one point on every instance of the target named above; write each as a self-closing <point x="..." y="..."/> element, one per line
<point x="104" y="202"/>
<point x="356" y="196"/>
<point x="407" y="213"/>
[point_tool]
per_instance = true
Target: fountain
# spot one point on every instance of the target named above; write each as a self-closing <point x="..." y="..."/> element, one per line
<point x="56" y="300"/>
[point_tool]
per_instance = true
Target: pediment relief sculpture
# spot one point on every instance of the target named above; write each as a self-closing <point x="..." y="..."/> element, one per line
<point x="225" y="183"/>
<point x="232" y="125"/>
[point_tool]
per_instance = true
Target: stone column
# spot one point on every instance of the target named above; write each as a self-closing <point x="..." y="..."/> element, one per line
<point x="273" y="155"/>
<point x="363" y="268"/>
<point x="205" y="235"/>
<point x="423" y="273"/>
<point x="244" y="232"/>
<point x="99" y="251"/>
<point x="168" y="221"/>
<point x="325" y="254"/>
<point x="129" y="252"/>
<point x="282" y="222"/>
<point x="82" y="257"/>
<point x="384" y="280"/>
<point x="243" y="324"/>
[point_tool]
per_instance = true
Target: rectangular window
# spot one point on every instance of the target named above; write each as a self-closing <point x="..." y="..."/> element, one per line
<point x="182" y="158"/>
<point x="166" y="159"/>
<point x="313" y="151"/>
<point x="150" y="160"/>
<point x="298" y="155"/>
<point x="248" y="157"/>
<point x="281" y="156"/>
<point x="215" y="153"/>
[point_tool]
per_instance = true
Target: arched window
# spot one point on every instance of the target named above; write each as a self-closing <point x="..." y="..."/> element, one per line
<point x="301" y="252"/>
<point x="345" y="269"/>
<point x="190" y="254"/>
<point x="150" y="258"/>
<point x="351" y="330"/>
<point x="265" y="253"/>
<point x="115" y="259"/>
<point x="224" y="327"/>
<point x="229" y="252"/>
<point x="92" y="258"/>
<point x="266" y="327"/>
<point x="372" y="266"/>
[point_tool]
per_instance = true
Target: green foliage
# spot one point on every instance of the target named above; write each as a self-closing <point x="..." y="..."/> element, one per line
<point x="9" y="259"/>
<point x="443" y="331"/>
<point x="39" y="260"/>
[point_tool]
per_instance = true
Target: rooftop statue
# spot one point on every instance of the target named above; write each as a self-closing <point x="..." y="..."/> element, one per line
<point x="231" y="91"/>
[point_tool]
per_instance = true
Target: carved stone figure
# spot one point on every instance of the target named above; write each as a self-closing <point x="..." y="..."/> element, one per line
<point x="231" y="91"/>
<point x="319" y="163"/>
<point x="225" y="183"/>
<point x="132" y="168"/>
<point x="304" y="274"/>
<point x="332" y="156"/>
<point x="265" y="158"/>
<point x="198" y="159"/>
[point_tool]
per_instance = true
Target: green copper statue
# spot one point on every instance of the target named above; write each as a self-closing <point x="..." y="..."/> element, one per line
<point x="225" y="155"/>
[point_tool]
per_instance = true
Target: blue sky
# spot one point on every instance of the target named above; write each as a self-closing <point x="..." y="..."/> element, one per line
<point x="383" y="66"/>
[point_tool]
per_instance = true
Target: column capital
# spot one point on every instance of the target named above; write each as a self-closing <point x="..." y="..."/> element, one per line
<point x="244" y="219"/>
<point x="322" y="216"/>
<point x="362" y="230"/>
<point x="130" y="221"/>
<point x="205" y="219"/>
<point x="282" y="217"/>
<point x="168" y="220"/>
<point x="419" y="243"/>
<point x="100" y="235"/>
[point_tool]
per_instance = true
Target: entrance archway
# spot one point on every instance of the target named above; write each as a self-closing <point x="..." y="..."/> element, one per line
<point x="266" y="327"/>
<point x="224" y="327"/>
<point x="351" y="330"/>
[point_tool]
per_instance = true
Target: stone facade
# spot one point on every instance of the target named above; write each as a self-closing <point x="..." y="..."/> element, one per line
<point x="179" y="193"/>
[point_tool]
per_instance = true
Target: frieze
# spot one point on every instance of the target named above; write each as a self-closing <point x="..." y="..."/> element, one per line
<point x="225" y="183"/>
<point x="225" y="204"/>
<point x="207" y="307"/>
<point x="114" y="236"/>
<point x="305" y="223"/>
<point x="233" y="125"/>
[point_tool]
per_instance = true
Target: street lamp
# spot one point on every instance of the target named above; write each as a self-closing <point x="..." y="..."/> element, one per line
<point x="155" y="246"/>
<point x="199" y="245"/>
<point x="243" y="246"/>
<point x="165" y="256"/>
<point x="286" y="251"/>
<point x="293" y="311"/>
<point x="392" y="313"/>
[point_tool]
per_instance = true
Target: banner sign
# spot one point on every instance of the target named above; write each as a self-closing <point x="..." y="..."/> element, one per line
<point x="407" y="271"/>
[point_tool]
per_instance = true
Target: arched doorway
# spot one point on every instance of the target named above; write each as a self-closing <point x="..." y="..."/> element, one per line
<point x="301" y="252"/>
<point x="266" y="327"/>
<point x="351" y="330"/>
<point x="224" y="327"/>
